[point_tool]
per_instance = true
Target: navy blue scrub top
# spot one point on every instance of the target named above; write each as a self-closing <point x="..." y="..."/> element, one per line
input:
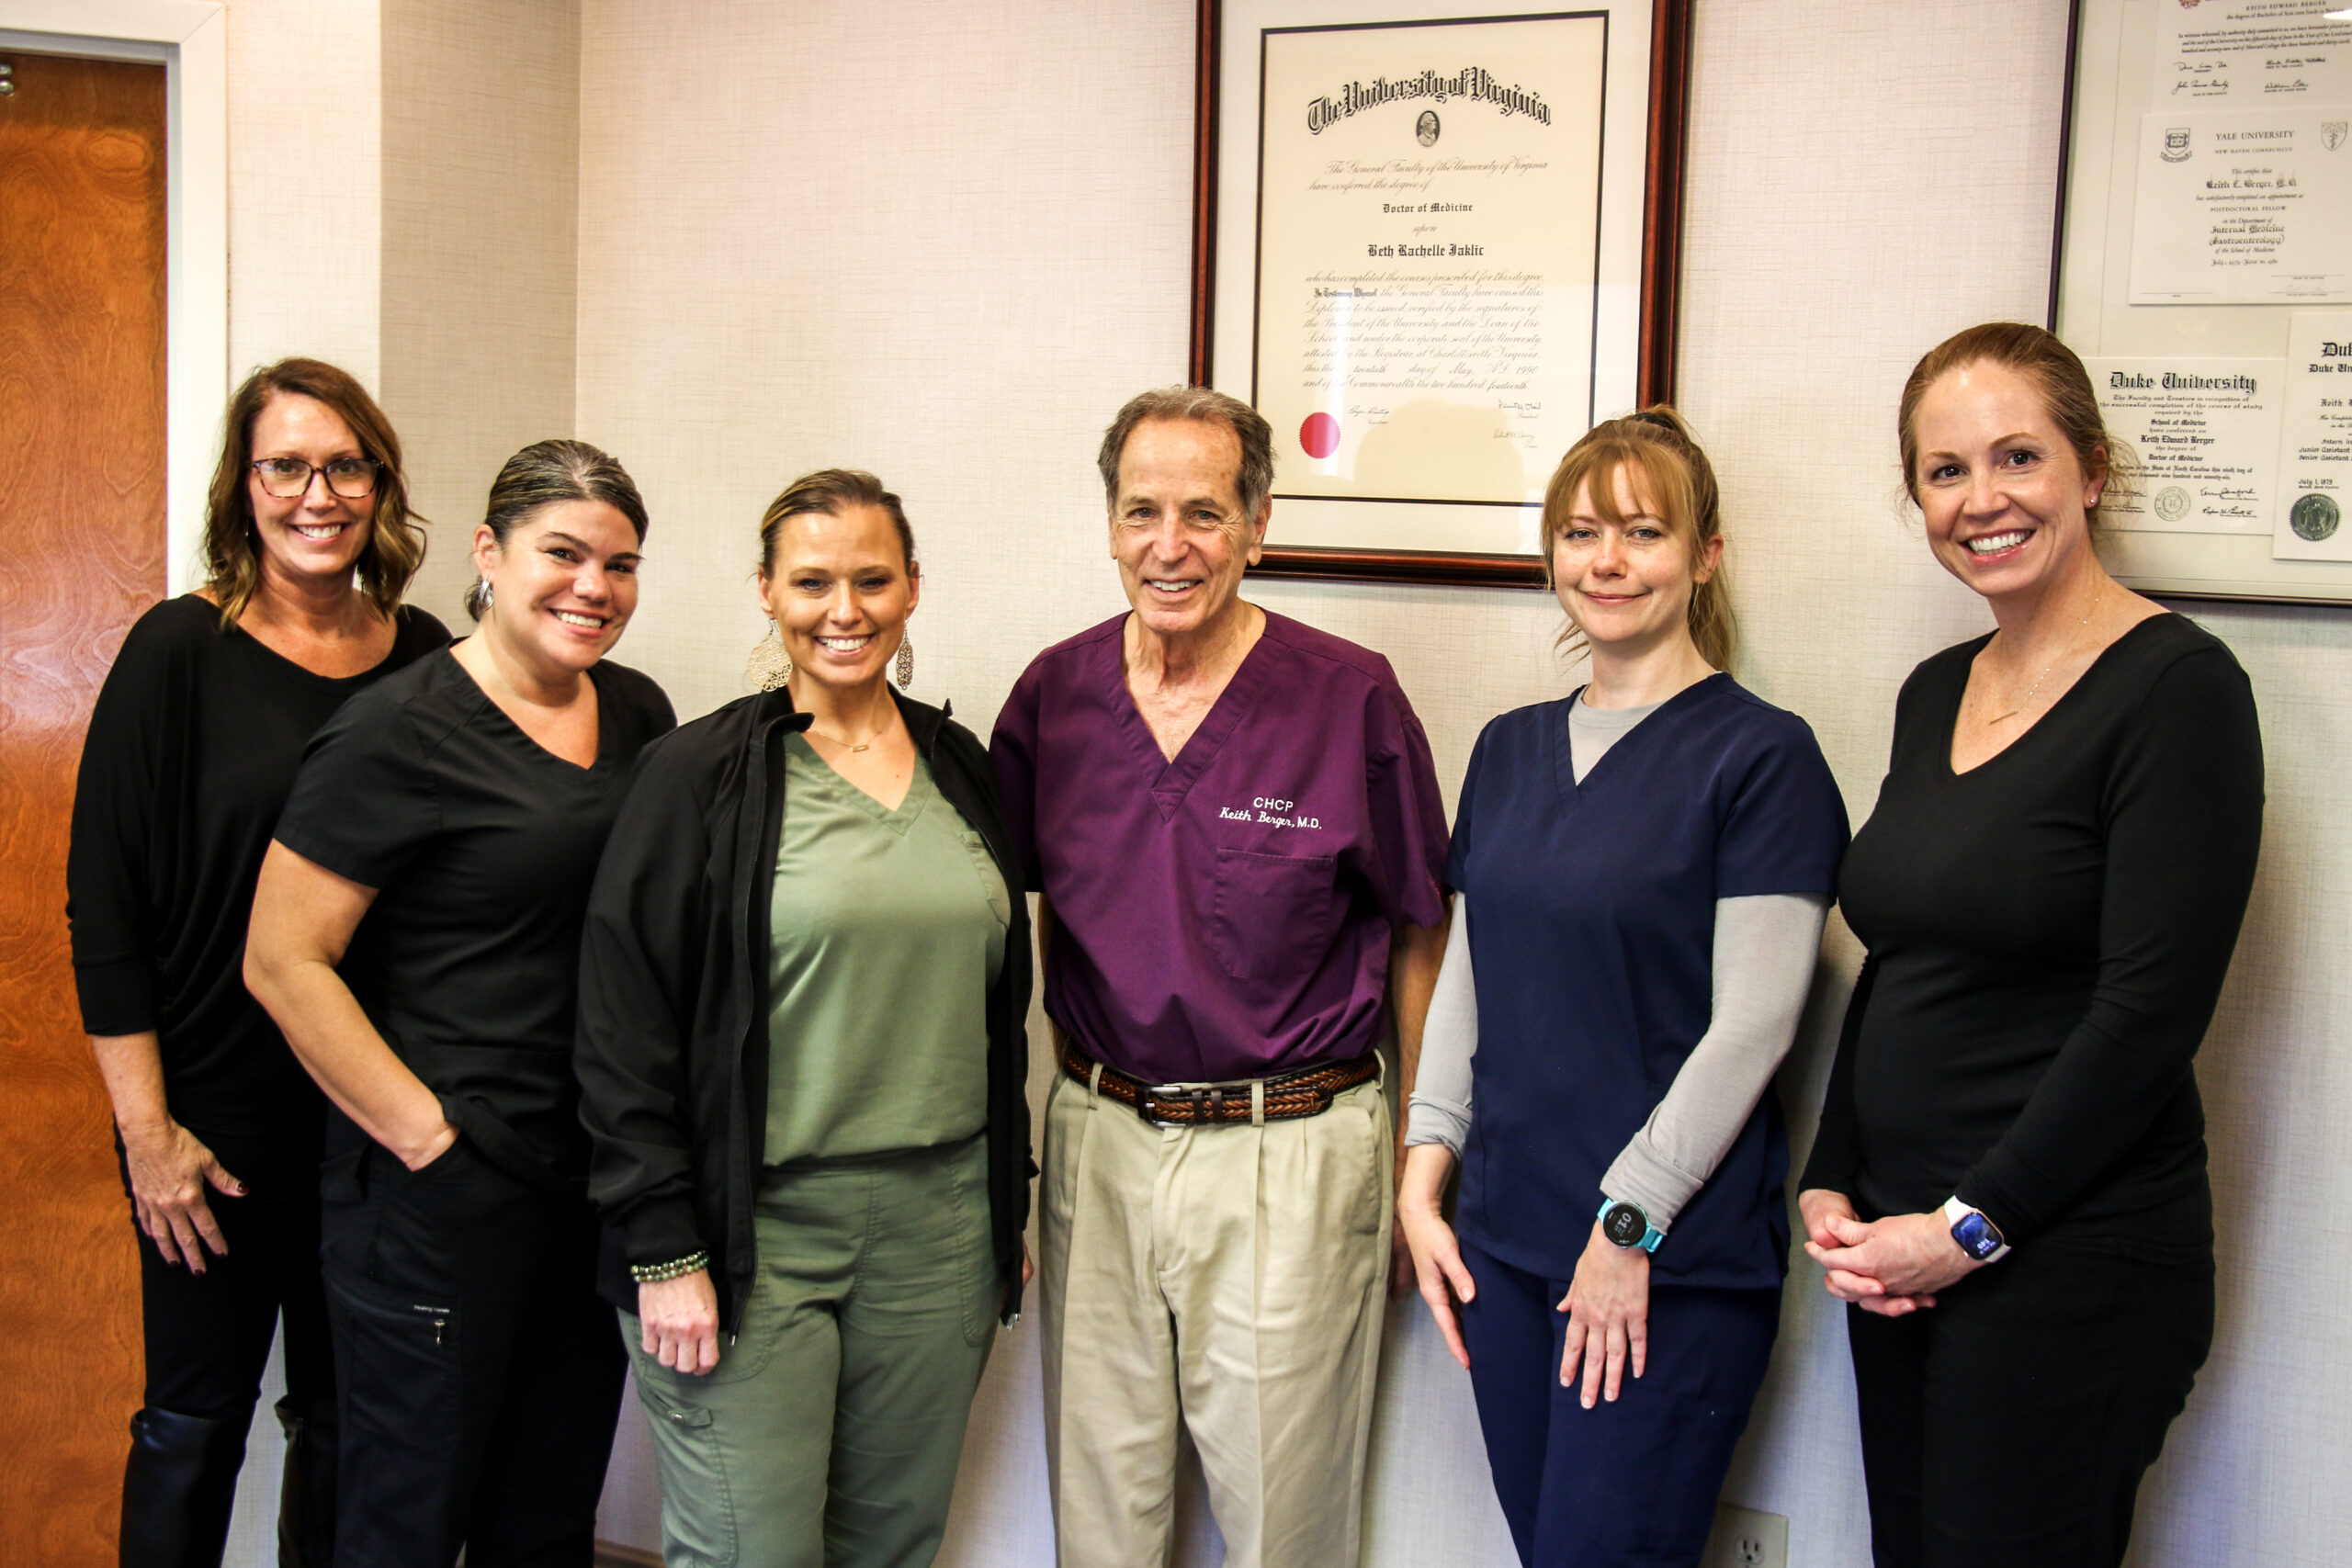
<point x="1593" y="938"/>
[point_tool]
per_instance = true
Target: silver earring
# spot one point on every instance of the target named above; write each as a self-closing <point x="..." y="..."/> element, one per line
<point x="485" y="593"/>
<point x="769" y="666"/>
<point x="906" y="662"/>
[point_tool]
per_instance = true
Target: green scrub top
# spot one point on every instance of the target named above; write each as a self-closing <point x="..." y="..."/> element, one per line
<point x="885" y="931"/>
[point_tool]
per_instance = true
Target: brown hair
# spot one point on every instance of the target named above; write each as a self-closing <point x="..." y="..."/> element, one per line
<point x="546" y="473"/>
<point x="1658" y="447"/>
<point x="1255" y="481"/>
<point x="231" y="554"/>
<point x="832" y="492"/>
<point x="2066" y="398"/>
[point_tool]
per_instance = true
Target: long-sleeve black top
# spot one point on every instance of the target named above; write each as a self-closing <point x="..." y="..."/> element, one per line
<point x="193" y="745"/>
<point x="2048" y="935"/>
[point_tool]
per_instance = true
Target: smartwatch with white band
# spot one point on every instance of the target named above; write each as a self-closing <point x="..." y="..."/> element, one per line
<point x="1978" y="1237"/>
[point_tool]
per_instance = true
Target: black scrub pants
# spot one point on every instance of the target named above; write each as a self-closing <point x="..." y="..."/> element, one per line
<point x="2008" y="1426"/>
<point x="207" y="1339"/>
<point x="479" y="1372"/>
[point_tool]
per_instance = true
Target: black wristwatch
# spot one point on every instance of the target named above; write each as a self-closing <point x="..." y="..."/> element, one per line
<point x="1626" y="1226"/>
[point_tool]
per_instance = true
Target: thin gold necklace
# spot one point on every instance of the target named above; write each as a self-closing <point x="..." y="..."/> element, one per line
<point x="852" y="746"/>
<point x="2035" y="690"/>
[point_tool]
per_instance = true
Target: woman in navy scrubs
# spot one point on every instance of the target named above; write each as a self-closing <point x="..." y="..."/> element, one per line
<point x="1645" y="867"/>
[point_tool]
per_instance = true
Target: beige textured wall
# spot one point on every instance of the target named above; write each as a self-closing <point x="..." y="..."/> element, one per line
<point x="305" y="182"/>
<point x="944" y="241"/>
<point x="481" y="245"/>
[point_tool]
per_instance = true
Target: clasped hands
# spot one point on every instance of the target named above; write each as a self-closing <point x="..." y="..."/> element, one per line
<point x="1892" y="1266"/>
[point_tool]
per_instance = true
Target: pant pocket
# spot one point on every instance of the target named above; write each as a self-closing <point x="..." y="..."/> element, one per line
<point x="400" y="1357"/>
<point x="971" y="1240"/>
<point x="697" y="1508"/>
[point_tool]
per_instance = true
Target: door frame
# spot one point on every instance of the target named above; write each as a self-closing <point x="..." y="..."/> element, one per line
<point x="188" y="38"/>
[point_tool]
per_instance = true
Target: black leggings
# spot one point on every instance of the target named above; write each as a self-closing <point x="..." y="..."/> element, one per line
<point x="2008" y="1426"/>
<point x="207" y="1336"/>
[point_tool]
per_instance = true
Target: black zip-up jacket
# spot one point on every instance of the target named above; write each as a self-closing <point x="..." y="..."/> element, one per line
<point x="672" y="1044"/>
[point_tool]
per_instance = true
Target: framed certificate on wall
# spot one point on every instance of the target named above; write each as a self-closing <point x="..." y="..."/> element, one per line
<point x="1434" y="243"/>
<point x="2203" y="271"/>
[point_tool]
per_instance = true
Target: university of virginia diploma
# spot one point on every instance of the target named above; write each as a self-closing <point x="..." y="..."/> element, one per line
<point x="1429" y="205"/>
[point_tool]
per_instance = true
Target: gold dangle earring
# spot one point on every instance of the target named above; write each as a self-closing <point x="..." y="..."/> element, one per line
<point x="906" y="661"/>
<point x="769" y="666"/>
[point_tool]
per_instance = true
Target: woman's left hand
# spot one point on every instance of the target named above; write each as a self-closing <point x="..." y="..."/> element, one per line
<point x="1909" y="1255"/>
<point x="1608" y="1305"/>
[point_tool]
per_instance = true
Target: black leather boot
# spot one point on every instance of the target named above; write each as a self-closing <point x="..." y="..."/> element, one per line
<point x="306" y="1495"/>
<point x="177" y="1488"/>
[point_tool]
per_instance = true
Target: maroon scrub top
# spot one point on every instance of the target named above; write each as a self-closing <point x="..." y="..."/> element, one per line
<point x="1225" y="915"/>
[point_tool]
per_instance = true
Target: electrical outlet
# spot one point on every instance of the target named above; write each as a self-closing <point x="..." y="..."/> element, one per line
<point x="1746" y="1539"/>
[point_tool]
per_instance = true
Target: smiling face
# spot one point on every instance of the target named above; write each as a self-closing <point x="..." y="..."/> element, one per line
<point x="1626" y="583"/>
<point x="2005" y="499"/>
<point x="1177" y="528"/>
<point x="318" y="536"/>
<point x="563" y="586"/>
<point x="840" y="589"/>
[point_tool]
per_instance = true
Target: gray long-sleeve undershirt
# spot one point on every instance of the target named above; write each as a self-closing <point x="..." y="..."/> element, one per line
<point x="1764" y="952"/>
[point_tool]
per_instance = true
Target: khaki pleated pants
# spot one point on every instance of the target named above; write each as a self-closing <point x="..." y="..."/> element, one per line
<point x="1228" y="1278"/>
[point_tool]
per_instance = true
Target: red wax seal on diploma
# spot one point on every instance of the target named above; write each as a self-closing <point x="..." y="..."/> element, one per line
<point x="1319" y="435"/>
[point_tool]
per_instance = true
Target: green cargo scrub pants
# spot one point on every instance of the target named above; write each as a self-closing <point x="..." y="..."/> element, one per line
<point x="828" y="1434"/>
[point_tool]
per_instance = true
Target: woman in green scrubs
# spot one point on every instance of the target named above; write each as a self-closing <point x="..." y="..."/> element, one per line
<point x="802" y="1053"/>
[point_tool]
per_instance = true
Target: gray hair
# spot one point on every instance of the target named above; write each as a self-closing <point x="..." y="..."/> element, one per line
<point x="548" y="472"/>
<point x="1255" y="482"/>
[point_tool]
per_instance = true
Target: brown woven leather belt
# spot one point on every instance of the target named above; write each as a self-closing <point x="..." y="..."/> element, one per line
<point x="1307" y="1092"/>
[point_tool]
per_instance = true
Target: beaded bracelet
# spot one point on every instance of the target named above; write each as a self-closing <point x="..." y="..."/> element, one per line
<point x="654" y="1273"/>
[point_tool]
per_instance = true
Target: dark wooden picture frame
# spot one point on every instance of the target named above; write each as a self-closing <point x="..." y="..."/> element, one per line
<point x="1661" y="235"/>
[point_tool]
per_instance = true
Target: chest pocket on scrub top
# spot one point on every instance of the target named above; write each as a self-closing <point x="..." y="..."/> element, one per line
<point x="1273" y="915"/>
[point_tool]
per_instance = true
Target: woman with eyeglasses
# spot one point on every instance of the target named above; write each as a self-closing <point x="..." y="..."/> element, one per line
<point x="192" y="747"/>
<point x="416" y="934"/>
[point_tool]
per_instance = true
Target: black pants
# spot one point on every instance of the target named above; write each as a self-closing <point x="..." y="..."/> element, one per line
<point x="2008" y="1426"/>
<point x="207" y="1336"/>
<point x="1624" y="1483"/>
<point x="480" y="1375"/>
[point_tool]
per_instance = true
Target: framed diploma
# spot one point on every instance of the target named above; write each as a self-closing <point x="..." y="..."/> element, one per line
<point x="1434" y="243"/>
<point x="2203" y="270"/>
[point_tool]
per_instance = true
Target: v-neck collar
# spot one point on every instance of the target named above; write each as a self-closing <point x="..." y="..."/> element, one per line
<point x="896" y="818"/>
<point x="498" y="715"/>
<point x="1169" y="779"/>
<point x="1563" y="759"/>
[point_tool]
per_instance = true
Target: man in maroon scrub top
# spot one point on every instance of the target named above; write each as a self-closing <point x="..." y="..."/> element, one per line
<point x="1238" y="834"/>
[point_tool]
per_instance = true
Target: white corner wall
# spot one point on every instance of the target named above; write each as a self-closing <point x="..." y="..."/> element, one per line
<point x="944" y="241"/>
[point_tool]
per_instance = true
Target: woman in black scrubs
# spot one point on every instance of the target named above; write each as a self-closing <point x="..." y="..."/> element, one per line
<point x="192" y="747"/>
<point x="417" y="935"/>
<point x="2009" y="1184"/>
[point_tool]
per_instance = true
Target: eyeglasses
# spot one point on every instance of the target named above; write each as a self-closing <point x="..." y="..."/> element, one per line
<point x="285" y="478"/>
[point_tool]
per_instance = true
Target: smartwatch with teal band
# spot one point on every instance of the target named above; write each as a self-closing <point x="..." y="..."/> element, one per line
<point x="1624" y="1224"/>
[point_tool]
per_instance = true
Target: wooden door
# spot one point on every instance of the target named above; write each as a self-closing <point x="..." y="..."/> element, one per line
<point x="82" y="487"/>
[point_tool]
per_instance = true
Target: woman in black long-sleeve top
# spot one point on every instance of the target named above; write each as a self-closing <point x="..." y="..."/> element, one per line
<point x="192" y="747"/>
<point x="2009" y="1185"/>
